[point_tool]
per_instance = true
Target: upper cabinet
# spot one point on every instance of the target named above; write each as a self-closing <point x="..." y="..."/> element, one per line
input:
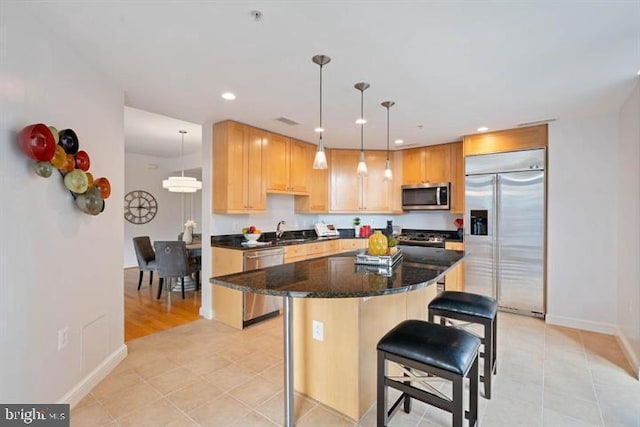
<point x="238" y="181"/>
<point x="318" y="185"/>
<point x="524" y="138"/>
<point x="457" y="178"/>
<point x="351" y="193"/>
<point x="286" y="165"/>
<point x="427" y="164"/>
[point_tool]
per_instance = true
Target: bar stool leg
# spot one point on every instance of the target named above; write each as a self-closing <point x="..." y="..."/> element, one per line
<point x="382" y="391"/>
<point x="458" y="401"/>
<point x="473" y="394"/>
<point x="489" y="358"/>
<point x="495" y="345"/>
<point x="407" y="398"/>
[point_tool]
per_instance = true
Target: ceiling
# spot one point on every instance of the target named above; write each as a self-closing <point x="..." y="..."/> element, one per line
<point x="449" y="66"/>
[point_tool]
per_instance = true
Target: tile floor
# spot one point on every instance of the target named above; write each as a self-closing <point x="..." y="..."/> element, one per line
<point x="207" y="374"/>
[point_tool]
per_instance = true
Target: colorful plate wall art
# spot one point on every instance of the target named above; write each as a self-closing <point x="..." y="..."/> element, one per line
<point x="51" y="149"/>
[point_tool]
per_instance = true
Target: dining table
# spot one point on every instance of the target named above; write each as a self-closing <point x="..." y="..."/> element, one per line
<point x="335" y="277"/>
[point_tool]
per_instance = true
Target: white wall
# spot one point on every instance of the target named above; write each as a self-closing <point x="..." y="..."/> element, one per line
<point x="59" y="268"/>
<point x="582" y="214"/>
<point x="629" y="228"/>
<point x="146" y="173"/>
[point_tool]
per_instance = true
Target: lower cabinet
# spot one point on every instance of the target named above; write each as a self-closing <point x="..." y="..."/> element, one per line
<point x="227" y="302"/>
<point x="454" y="280"/>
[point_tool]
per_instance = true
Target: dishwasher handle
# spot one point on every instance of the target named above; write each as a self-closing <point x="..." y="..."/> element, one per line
<point x="262" y="254"/>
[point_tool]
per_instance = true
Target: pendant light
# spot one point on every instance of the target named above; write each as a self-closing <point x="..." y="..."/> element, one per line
<point x="362" y="165"/>
<point x="320" y="161"/>
<point x="388" y="174"/>
<point x="182" y="184"/>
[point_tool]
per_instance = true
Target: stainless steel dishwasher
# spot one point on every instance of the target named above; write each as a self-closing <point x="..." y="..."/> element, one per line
<point x="257" y="307"/>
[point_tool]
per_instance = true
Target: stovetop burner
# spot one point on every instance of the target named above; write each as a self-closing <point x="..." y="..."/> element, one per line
<point x="434" y="240"/>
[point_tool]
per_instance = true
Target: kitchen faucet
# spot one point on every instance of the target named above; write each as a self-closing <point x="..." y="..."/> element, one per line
<point x="280" y="229"/>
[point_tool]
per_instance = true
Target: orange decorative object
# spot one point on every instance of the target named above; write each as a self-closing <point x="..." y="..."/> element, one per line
<point x="70" y="164"/>
<point x="37" y="142"/>
<point x="378" y="244"/>
<point x="59" y="159"/>
<point x="103" y="185"/>
<point x="90" y="178"/>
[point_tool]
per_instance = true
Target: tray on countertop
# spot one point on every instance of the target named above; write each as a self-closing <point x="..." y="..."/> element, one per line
<point x="363" y="258"/>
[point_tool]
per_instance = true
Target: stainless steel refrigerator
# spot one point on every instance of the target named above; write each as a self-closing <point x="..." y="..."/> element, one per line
<point x="505" y="230"/>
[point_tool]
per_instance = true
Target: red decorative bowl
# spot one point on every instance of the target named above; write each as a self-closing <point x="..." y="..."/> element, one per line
<point x="37" y="142"/>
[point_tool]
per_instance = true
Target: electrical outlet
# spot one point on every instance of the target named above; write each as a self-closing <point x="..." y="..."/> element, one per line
<point x="235" y="227"/>
<point x="63" y="338"/>
<point x="318" y="330"/>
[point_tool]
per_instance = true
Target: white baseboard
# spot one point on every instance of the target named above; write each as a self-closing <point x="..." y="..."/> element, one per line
<point x="630" y="354"/>
<point x="207" y="313"/>
<point x="587" y="325"/>
<point x="80" y="390"/>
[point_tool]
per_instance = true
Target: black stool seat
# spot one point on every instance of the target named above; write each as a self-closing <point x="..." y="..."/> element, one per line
<point x="472" y="308"/>
<point x="449" y="349"/>
<point x="465" y="303"/>
<point x="424" y="350"/>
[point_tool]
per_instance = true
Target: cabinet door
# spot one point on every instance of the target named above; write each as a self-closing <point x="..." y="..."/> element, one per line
<point x="236" y="166"/>
<point x="299" y="166"/>
<point x="396" y="183"/>
<point x="376" y="192"/>
<point x="276" y="163"/>
<point x="346" y="185"/>
<point x="256" y="191"/>
<point x="438" y="163"/>
<point x="457" y="178"/>
<point x="413" y="166"/>
<point x="318" y="188"/>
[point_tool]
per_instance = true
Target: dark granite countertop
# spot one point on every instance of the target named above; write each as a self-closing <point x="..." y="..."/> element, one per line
<point x="298" y="237"/>
<point x="337" y="276"/>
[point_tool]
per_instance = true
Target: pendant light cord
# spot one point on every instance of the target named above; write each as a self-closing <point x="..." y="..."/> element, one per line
<point x="321" y="132"/>
<point x="182" y="152"/>
<point x="387" y="133"/>
<point x="362" y="118"/>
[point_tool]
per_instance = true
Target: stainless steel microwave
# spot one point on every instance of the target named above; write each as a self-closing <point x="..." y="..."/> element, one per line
<point x="430" y="196"/>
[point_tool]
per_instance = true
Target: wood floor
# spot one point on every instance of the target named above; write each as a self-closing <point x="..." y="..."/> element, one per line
<point x="145" y="315"/>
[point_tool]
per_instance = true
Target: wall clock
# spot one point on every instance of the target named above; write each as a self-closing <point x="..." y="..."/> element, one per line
<point x="140" y="207"/>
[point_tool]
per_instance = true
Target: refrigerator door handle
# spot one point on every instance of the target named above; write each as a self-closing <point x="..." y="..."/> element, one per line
<point x="496" y="237"/>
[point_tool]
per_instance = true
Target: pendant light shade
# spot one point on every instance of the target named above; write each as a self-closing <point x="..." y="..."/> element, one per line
<point x="182" y="184"/>
<point x="320" y="160"/>
<point x="388" y="174"/>
<point x="362" y="164"/>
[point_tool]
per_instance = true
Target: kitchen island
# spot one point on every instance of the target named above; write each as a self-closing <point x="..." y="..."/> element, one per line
<point x="337" y="367"/>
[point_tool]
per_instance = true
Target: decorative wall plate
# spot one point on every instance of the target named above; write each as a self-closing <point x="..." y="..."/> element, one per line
<point x="140" y="207"/>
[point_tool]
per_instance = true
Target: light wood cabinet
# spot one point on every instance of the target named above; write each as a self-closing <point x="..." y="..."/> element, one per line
<point x="351" y="193"/>
<point x="287" y="165"/>
<point x="427" y="164"/>
<point x="457" y="178"/>
<point x="318" y="184"/>
<point x="524" y="138"/>
<point x="454" y="280"/>
<point x="238" y="184"/>
<point x="347" y="245"/>
<point x="226" y="302"/>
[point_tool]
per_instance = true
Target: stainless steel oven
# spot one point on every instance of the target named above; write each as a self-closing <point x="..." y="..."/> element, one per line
<point x="257" y="307"/>
<point x="431" y="196"/>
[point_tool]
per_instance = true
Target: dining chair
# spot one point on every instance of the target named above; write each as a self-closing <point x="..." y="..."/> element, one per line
<point x="146" y="257"/>
<point x="173" y="261"/>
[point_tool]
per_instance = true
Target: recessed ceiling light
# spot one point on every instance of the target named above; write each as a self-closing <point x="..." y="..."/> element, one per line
<point x="228" y="96"/>
<point x="361" y="121"/>
<point x="483" y="129"/>
<point x="639" y="72"/>
<point x="398" y="141"/>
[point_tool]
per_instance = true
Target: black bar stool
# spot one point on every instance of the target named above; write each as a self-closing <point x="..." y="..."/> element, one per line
<point x="472" y="308"/>
<point x="433" y="350"/>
